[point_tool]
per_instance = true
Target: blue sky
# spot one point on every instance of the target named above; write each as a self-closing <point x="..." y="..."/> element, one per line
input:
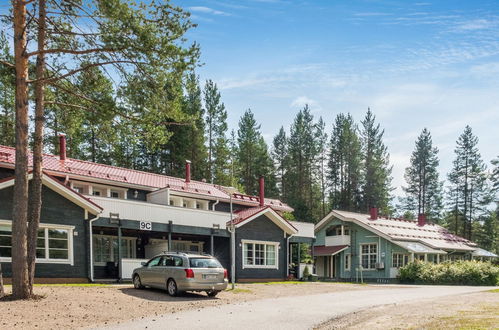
<point x="415" y="64"/>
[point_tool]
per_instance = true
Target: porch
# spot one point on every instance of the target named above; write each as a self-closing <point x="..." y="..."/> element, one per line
<point x="120" y="247"/>
<point x="328" y="262"/>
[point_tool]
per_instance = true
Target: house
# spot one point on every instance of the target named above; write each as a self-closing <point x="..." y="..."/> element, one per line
<point x="100" y="221"/>
<point x="352" y="245"/>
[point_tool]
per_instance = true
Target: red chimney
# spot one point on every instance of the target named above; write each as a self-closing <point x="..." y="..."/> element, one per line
<point x="187" y="171"/>
<point x="262" y="191"/>
<point x="421" y="219"/>
<point x="62" y="147"/>
<point x="374" y="213"/>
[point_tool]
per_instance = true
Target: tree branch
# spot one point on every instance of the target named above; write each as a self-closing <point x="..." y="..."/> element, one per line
<point x="86" y="67"/>
<point x="10" y="65"/>
<point x="68" y="105"/>
<point x="70" y="51"/>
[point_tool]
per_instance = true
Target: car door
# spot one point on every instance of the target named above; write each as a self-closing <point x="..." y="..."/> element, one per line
<point x="147" y="273"/>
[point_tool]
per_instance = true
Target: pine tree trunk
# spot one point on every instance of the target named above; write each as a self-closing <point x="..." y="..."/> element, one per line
<point x="35" y="195"/>
<point x="20" y="282"/>
<point x="2" y="289"/>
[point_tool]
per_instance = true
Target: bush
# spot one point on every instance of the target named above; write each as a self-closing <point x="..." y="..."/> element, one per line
<point x="306" y="274"/>
<point x="458" y="272"/>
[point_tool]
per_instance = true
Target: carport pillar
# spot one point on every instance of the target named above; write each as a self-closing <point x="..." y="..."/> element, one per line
<point x="120" y="253"/>
<point x="170" y="225"/>
<point x="212" y="245"/>
<point x="299" y="261"/>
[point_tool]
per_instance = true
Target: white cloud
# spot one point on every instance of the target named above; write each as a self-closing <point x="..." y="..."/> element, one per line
<point x="301" y="101"/>
<point x="476" y="24"/>
<point x="207" y="10"/>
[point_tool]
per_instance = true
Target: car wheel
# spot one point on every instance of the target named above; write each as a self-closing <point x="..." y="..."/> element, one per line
<point x="171" y="288"/>
<point x="212" y="293"/>
<point x="137" y="284"/>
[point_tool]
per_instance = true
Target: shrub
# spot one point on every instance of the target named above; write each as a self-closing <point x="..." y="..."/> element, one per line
<point x="306" y="273"/>
<point x="458" y="272"/>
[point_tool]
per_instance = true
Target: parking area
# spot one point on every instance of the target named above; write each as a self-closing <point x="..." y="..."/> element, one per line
<point x="76" y="306"/>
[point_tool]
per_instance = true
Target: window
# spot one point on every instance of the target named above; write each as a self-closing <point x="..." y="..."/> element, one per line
<point x="78" y="189"/>
<point x="399" y="260"/>
<point x="336" y="231"/>
<point x="348" y="261"/>
<point x="115" y="194"/>
<point x="5" y="241"/>
<point x="204" y="263"/>
<point x="106" y="248"/>
<point x="369" y="255"/>
<point x="260" y="254"/>
<point x="172" y="261"/>
<point x="154" y="262"/>
<point x="53" y="243"/>
<point x="96" y="192"/>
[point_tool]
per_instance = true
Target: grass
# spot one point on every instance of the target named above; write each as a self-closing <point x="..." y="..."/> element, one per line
<point x="494" y="290"/>
<point x="70" y="284"/>
<point x="485" y="318"/>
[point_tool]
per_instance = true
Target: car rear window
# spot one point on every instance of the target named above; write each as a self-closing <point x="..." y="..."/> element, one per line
<point x="204" y="263"/>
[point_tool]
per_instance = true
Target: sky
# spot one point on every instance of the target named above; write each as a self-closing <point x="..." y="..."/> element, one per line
<point x="415" y="64"/>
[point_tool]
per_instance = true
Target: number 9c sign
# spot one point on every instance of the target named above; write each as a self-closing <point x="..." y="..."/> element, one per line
<point x="145" y="225"/>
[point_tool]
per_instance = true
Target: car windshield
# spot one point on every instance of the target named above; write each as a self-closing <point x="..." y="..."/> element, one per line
<point x="204" y="263"/>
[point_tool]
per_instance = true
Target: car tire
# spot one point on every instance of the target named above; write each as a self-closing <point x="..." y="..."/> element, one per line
<point x="171" y="288"/>
<point x="212" y="293"/>
<point x="137" y="284"/>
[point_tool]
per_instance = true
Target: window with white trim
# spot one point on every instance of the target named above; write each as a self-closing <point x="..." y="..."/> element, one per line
<point x="257" y="254"/>
<point x="348" y="261"/>
<point x="106" y="248"/>
<point x="399" y="260"/>
<point x="54" y="244"/>
<point x="369" y="255"/>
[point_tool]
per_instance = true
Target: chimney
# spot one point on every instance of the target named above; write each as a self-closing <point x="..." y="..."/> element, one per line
<point x="374" y="213"/>
<point x="62" y="147"/>
<point x="421" y="219"/>
<point x="187" y="171"/>
<point x="262" y="191"/>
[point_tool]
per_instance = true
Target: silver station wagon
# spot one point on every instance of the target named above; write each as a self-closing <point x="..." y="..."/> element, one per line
<point x="178" y="272"/>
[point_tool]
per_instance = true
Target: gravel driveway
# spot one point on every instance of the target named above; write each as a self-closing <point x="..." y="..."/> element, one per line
<point x="298" y="312"/>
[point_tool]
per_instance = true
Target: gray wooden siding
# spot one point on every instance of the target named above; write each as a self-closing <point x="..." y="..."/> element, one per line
<point x="55" y="210"/>
<point x="261" y="229"/>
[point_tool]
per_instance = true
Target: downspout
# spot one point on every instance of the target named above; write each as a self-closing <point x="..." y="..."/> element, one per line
<point x="287" y="255"/>
<point x="214" y="204"/>
<point x="91" y="241"/>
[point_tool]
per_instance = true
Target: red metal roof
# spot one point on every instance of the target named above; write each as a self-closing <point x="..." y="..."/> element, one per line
<point x="90" y="170"/>
<point x="322" y="250"/>
<point x="241" y="215"/>
<point x="245" y="214"/>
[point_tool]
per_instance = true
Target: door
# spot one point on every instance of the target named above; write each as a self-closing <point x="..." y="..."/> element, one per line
<point x="147" y="273"/>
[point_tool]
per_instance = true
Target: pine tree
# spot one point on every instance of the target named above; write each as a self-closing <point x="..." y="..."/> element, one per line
<point x="376" y="169"/>
<point x="469" y="192"/>
<point x="345" y="165"/>
<point x="280" y="158"/>
<point x="7" y="95"/>
<point x="322" y="142"/>
<point x="423" y="190"/>
<point x="216" y="126"/>
<point x="303" y="192"/>
<point x="187" y="140"/>
<point x="253" y="157"/>
<point x="495" y="175"/>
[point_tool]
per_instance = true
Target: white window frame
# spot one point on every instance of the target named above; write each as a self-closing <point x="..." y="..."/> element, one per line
<point x="404" y="257"/>
<point x="265" y="243"/>
<point x="348" y="260"/>
<point x="46" y="226"/>
<point x="103" y="263"/>
<point x="368" y="254"/>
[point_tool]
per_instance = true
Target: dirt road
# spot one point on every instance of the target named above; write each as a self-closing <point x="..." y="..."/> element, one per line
<point x="298" y="312"/>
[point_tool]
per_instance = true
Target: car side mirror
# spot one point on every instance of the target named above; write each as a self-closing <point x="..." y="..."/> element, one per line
<point x="143" y="263"/>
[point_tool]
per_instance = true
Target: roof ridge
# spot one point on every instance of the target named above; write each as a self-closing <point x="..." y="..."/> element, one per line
<point x="118" y="167"/>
